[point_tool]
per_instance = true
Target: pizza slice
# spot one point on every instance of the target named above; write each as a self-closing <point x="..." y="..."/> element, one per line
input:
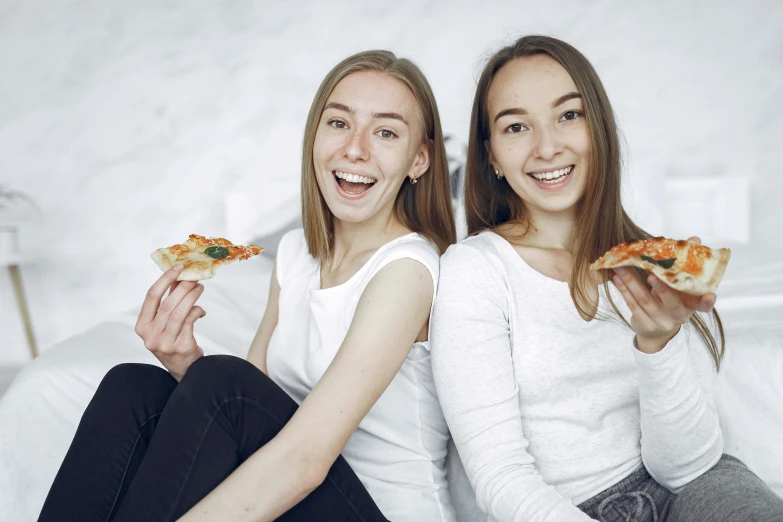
<point x="201" y="256"/>
<point x="685" y="266"/>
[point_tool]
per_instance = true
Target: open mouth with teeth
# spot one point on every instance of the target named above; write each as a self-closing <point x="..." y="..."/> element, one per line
<point x="353" y="184"/>
<point x="553" y="177"/>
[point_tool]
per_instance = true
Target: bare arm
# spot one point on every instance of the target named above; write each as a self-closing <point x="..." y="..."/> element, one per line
<point x="393" y="309"/>
<point x="258" y="348"/>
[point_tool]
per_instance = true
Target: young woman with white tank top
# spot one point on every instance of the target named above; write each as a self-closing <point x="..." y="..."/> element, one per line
<point x="334" y="415"/>
<point x="399" y="447"/>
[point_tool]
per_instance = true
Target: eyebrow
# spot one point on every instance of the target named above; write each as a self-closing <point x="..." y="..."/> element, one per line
<point x="517" y="111"/>
<point x="564" y="98"/>
<point x="375" y="115"/>
<point x="389" y="116"/>
<point x="510" y="112"/>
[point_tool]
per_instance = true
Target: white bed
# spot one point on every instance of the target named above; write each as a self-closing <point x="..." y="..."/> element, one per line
<point x="41" y="409"/>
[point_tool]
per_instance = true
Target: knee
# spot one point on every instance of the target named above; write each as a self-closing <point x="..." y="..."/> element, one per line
<point x="728" y="469"/>
<point x="129" y="380"/>
<point x="223" y="373"/>
<point x="728" y="487"/>
<point x="221" y="367"/>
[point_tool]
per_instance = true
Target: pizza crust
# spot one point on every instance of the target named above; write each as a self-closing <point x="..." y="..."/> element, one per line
<point x="190" y="272"/>
<point x="695" y="269"/>
<point x="198" y="266"/>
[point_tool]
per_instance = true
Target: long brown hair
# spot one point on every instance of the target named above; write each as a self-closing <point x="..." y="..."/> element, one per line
<point x="425" y="207"/>
<point x="601" y="220"/>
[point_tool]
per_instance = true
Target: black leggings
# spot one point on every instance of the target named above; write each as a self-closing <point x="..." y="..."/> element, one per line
<point x="148" y="449"/>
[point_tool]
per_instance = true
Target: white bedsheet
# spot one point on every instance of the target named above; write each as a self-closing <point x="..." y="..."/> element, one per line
<point x="41" y="409"/>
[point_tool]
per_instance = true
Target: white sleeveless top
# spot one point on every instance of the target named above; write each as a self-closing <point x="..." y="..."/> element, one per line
<point x="399" y="449"/>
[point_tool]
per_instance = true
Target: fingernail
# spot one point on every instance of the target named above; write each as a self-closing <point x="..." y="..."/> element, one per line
<point x="618" y="281"/>
<point x="200" y="286"/>
<point x="178" y="267"/>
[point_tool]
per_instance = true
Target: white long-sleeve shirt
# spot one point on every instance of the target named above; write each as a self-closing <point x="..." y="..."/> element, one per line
<point x="548" y="410"/>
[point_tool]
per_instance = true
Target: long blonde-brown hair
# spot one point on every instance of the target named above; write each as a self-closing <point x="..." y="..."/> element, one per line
<point x="601" y="220"/>
<point x="425" y="207"/>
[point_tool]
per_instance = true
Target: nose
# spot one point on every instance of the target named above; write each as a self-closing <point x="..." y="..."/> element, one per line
<point x="357" y="148"/>
<point x="547" y="144"/>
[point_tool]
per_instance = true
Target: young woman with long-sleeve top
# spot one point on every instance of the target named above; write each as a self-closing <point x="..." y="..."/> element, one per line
<point x="572" y="394"/>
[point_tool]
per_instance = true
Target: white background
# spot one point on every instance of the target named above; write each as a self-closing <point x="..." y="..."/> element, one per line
<point x="128" y="122"/>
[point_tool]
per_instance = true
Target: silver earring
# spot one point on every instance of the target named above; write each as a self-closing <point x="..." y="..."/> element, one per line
<point x="498" y="174"/>
<point x="414" y="181"/>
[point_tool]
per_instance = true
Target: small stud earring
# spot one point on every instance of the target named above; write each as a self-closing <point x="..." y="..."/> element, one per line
<point x="414" y="181"/>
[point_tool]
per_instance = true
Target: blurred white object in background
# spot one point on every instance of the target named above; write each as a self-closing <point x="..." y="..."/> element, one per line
<point x="9" y="240"/>
<point x="12" y="257"/>
<point x="717" y="209"/>
<point x="266" y="200"/>
<point x="250" y="216"/>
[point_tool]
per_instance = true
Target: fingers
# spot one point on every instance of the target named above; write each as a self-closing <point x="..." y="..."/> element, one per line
<point x="174" y="286"/>
<point x="186" y="341"/>
<point x="638" y="298"/>
<point x="183" y="310"/>
<point x="638" y="291"/>
<point x="171" y="302"/>
<point x="707" y="303"/>
<point x="671" y="301"/>
<point x="155" y="294"/>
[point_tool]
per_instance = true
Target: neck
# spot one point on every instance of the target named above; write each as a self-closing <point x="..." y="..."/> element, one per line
<point x="550" y="229"/>
<point x="352" y="239"/>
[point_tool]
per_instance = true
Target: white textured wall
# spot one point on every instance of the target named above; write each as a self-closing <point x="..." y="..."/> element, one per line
<point x="128" y="120"/>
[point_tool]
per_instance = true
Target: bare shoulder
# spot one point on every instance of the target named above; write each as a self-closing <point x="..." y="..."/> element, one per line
<point x="409" y="273"/>
<point x="398" y="299"/>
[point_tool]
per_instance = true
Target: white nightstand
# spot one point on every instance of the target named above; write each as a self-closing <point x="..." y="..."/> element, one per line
<point x="12" y="259"/>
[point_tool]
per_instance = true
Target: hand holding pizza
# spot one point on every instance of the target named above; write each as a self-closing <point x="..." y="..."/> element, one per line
<point x="167" y="327"/>
<point x="659" y="313"/>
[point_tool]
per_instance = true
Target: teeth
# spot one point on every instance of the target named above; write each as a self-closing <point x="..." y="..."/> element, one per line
<point x="354" y="178"/>
<point x="555" y="174"/>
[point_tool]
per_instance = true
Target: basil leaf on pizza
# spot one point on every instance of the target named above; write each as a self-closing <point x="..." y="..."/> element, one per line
<point x="216" y="252"/>
<point x="664" y="263"/>
<point x="201" y="256"/>
<point x="685" y="266"/>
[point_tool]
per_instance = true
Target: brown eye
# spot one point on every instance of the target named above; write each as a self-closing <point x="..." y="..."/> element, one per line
<point x="517" y="127"/>
<point x="571" y="115"/>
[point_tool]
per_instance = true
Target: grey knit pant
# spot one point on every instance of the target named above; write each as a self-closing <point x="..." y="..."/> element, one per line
<point x="729" y="492"/>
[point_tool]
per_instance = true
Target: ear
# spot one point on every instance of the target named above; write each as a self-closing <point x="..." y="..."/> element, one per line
<point x="422" y="161"/>
<point x="490" y="154"/>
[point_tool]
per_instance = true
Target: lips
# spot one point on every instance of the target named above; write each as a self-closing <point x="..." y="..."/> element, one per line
<point x="353" y="178"/>
<point x="353" y="184"/>
<point x="552" y="176"/>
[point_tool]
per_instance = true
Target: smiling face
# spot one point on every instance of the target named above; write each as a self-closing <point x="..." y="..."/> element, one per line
<point x="368" y="142"/>
<point x="539" y="138"/>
